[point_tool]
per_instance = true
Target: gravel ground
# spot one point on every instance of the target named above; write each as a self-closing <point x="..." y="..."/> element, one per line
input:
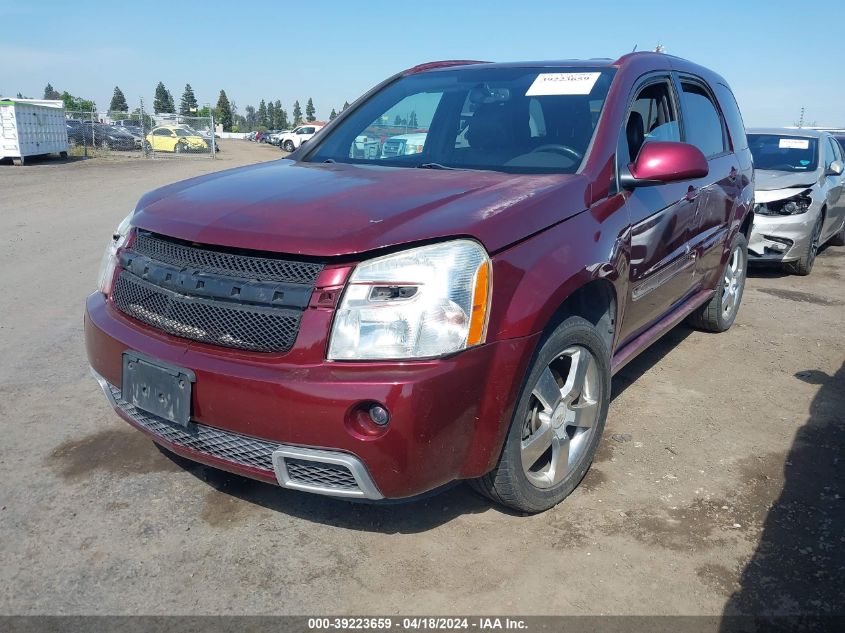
<point x="717" y="489"/>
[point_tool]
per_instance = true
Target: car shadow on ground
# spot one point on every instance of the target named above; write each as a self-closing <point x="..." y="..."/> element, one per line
<point x="797" y="567"/>
<point x="647" y="359"/>
<point x="407" y="516"/>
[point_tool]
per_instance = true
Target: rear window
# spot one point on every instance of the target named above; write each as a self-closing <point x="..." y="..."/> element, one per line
<point x="780" y="152"/>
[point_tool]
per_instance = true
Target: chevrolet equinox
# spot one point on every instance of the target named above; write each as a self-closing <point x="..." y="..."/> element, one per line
<point x="369" y="322"/>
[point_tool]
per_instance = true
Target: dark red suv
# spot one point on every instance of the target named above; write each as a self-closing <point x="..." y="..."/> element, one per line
<point x="438" y="286"/>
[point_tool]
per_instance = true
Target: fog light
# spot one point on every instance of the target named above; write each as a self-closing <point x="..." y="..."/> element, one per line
<point x="379" y="415"/>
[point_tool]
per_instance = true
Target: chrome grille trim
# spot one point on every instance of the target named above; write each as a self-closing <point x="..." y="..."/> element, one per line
<point x="322" y="472"/>
<point x="210" y="260"/>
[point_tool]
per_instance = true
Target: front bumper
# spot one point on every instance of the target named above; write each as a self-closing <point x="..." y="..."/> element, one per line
<point x="781" y="238"/>
<point x="272" y="419"/>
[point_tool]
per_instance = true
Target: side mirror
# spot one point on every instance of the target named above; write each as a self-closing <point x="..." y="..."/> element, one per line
<point x="662" y="162"/>
<point x="835" y="168"/>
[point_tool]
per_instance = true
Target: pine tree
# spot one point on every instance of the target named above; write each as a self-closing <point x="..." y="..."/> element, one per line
<point x="188" y="105"/>
<point x="277" y="124"/>
<point x="412" y="121"/>
<point x="333" y="115"/>
<point x="51" y="93"/>
<point x="118" y="101"/>
<point x="310" y="111"/>
<point x="251" y="117"/>
<point x="262" y="113"/>
<point x="284" y="124"/>
<point x="297" y="113"/>
<point x="345" y="105"/>
<point x="224" y="111"/>
<point x="163" y="101"/>
<point x="271" y="114"/>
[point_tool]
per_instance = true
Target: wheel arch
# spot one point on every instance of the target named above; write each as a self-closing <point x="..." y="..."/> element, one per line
<point x="595" y="301"/>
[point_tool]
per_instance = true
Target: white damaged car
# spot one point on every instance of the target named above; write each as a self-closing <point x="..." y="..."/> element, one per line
<point x="799" y="195"/>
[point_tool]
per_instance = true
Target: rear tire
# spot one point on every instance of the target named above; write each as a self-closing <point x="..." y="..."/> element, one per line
<point x="718" y="314"/>
<point x="563" y="405"/>
<point x="804" y="265"/>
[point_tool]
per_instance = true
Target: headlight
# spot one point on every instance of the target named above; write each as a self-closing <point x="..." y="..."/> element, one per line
<point x="109" y="262"/>
<point x="419" y="303"/>
<point x="789" y="206"/>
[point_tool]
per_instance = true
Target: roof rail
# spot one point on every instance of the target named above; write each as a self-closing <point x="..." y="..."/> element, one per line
<point x="420" y="68"/>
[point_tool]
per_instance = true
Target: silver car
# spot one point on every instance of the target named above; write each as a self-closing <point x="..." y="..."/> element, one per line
<point x="799" y="195"/>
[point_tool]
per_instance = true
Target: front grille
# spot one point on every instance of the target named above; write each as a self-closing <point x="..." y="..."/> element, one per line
<point x="223" y="263"/>
<point x="320" y="474"/>
<point x="233" y="447"/>
<point x="229" y="324"/>
<point x="393" y="148"/>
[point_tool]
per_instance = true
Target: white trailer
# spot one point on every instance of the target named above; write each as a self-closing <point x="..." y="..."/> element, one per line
<point x="31" y="127"/>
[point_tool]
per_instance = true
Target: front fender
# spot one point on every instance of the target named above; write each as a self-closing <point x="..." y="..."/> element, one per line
<point x="533" y="278"/>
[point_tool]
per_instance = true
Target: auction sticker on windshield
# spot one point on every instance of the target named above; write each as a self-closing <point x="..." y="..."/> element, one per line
<point x="794" y="143"/>
<point x="562" y="84"/>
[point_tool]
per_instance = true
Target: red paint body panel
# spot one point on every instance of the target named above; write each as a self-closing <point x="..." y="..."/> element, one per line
<point x="548" y="236"/>
<point x="448" y="415"/>
<point x="327" y="210"/>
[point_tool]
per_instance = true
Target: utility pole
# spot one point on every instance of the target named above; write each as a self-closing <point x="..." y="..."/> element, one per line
<point x="801" y="118"/>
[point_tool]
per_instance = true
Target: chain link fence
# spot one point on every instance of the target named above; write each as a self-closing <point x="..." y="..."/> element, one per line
<point x="139" y="134"/>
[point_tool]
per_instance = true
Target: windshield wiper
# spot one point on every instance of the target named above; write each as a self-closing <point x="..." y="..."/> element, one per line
<point x="435" y="166"/>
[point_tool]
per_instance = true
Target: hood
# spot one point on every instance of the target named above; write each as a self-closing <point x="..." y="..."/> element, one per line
<point x="768" y="180"/>
<point x="340" y="209"/>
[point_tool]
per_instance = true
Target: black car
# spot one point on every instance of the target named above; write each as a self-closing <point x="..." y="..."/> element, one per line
<point x="98" y="135"/>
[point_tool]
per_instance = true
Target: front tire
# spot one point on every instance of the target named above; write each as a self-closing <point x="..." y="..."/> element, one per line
<point x="557" y="423"/>
<point x="289" y="146"/>
<point x="838" y="238"/>
<point x="180" y="148"/>
<point x="804" y="265"/>
<point x="718" y="314"/>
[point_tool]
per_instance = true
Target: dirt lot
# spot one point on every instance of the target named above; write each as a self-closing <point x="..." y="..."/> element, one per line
<point x="718" y="486"/>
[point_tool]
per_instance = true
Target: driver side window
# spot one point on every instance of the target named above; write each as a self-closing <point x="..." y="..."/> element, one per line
<point x="652" y="118"/>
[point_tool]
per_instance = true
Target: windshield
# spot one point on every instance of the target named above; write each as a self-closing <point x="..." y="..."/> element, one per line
<point x="519" y="120"/>
<point x="783" y="153"/>
<point x="183" y="132"/>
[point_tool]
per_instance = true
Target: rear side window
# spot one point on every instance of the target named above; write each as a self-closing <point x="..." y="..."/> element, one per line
<point x="733" y="118"/>
<point x="702" y="121"/>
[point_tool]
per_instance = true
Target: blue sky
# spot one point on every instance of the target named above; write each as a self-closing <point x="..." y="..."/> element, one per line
<point x="777" y="55"/>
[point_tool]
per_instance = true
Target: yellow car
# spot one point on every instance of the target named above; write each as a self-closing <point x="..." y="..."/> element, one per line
<point x="168" y="138"/>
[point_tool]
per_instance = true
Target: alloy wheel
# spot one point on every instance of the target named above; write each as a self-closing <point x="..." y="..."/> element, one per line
<point x="562" y="413"/>
<point x="814" y="242"/>
<point x="732" y="282"/>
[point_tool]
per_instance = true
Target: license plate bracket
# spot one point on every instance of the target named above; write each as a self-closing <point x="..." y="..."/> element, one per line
<point x="156" y="387"/>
